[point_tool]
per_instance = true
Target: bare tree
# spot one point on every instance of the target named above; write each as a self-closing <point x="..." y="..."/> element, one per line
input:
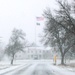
<point x="16" y="43"/>
<point x="65" y="16"/>
<point x="60" y="28"/>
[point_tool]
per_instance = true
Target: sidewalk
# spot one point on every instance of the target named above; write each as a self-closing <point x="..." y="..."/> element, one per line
<point x="59" y="70"/>
<point x="70" y="67"/>
<point x="10" y="68"/>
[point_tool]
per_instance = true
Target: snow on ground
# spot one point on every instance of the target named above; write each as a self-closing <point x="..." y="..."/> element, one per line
<point x="68" y="68"/>
<point x="62" y="70"/>
<point x="17" y="71"/>
<point x="59" y="70"/>
<point x="8" y="69"/>
<point x="70" y="65"/>
<point x="24" y="70"/>
<point x="5" y="66"/>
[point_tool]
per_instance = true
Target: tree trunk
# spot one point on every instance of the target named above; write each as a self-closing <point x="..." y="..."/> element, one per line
<point x="62" y="59"/>
<point x="12" y="59"/>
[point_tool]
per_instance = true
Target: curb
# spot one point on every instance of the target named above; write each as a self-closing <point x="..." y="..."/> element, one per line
<point x="13" y="69"/>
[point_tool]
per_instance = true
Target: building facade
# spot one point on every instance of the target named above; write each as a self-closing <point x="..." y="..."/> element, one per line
<point x="34" y="53"/>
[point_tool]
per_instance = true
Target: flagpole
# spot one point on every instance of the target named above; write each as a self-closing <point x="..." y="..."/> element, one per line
<point x="35" y="34"/>
<point x="38" y="19"/>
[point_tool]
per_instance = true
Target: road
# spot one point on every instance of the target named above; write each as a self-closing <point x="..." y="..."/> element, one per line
<point x="40" y="68"/>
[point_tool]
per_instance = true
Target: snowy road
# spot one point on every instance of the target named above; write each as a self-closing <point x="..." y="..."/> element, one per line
<point x="39" y="68"/>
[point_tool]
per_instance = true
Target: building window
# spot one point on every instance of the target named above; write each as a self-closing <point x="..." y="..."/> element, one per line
<point x="31" y="51"/>
<point x="39" y="56"/>
<point x="32" y="56"/>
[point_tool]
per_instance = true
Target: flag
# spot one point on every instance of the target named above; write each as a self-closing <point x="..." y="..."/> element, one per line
<point x="39" y="18"/>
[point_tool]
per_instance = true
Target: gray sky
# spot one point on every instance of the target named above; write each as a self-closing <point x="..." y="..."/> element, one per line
<point x="22" y="14"/>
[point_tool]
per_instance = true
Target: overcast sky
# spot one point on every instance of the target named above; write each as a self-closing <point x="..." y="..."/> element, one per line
<point x="21" y="14"/>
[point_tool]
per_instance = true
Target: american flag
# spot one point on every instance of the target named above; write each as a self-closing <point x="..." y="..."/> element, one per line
<point x="39" y="18"/>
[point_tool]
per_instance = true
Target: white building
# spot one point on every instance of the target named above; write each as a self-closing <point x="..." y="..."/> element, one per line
<point x="34" y="53"/>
